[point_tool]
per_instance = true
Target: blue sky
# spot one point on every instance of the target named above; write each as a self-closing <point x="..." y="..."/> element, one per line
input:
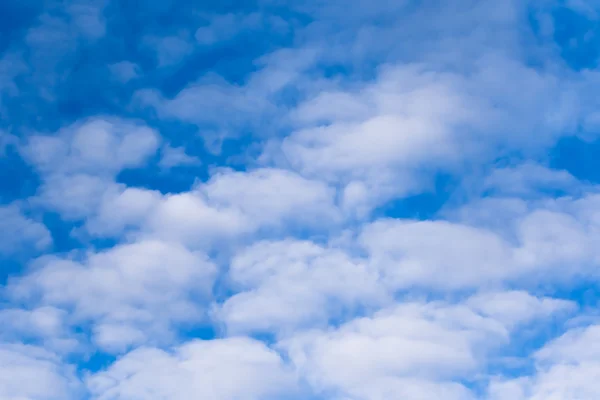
<point x="341" y="200"/>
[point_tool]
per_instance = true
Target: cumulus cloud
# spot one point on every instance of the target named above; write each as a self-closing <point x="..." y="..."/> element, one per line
<point x="47" y="326"/>
<point x="223" y="109"/>
<point x="132" y="293"/>
<point x="231" y="204"/>
<point x="280" y="267"/>
<point x="94" y="146"/>
<point x="565" y="368"/>
<point x="197" y="369"/>
<point x="412" y="350"/>
<point x="290" y="284"/>
<point x="19" y="363"/>
<point x="18" y="232"/>
<point x="79" y="163"/>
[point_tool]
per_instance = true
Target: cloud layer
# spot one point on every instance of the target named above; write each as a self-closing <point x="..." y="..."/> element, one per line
<point x="328" y="200"/>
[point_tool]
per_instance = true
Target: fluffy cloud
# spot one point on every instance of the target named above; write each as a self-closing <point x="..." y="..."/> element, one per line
<point x="496" y="241"/>
<point x="19" y="232"/>
<point x="19" y="363"/>
<point x="420" y="253"/>
<point x="197" y="369"/>
<point x="529" y="180"/>
<point x="306" y="130"/>
<point x="100" y="145"/>
<point x="230" y="204"/>
<point x="289" y="284"/>
<point x="391" y="135"/>
<point x="79" y="163"/>
<point x="272" y="196"/>
<point x="413" y="350"/>
<point x="132" y="293"/>
<point x="567" y="367"/>
<point x="222" y="109"/>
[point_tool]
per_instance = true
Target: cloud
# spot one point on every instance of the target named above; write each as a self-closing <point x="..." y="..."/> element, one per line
<point x="317" y="124"/>
<point x="287" y="285"/>
<point x="197" y="369"/>
<point x="176" y="156"/>
<point x="529" y="180"/>
<point x="565" y="368"/>
<point x="231" y="204"/>
<point x="414" y="350"/>
<point x="392" y="135"/>
<point x="271" y="196"/>
<point x="132" y="294"/>
<point x="419" y="253"/>
<point x="19" y="232"/>
<point x="496" y="241"/>
<point x="223" y="109"/>
<point x="46" y="326"/>
<point x="53" y="380"/>
<point x="79" y="163"/>
<point x="95" y="146"/>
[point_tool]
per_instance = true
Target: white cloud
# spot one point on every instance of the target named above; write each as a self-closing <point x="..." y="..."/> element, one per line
<point x="231" y="204"/>
<point x="393" y="134"/>
<point x="442" y="87"/>
<point x="412" y="350"/>
<point x="78" y="163"/>
<point x="224" y="369"/>
<point x="566" y="368"/>
<point x="47" y="326"/>
<point x="190" y="219"/>
<point x="19" y="233"/>
<point x="514" y="307"/>
<point x="176" y="156"/>
<point x="497" y="241"/>
<point x="95" y="146"/>
<point x="118" y="208"/>
<point x="404" y="114"/>
<point x="529" y="180"/>
<point x="437" y="254"/>
<point x="74" y="196"/>
<point x="31" y="373"/>
<point x="221" y="109"/>
<point x="143" y="289"/>
<point x="272" y="196"/>
<point x="286" y="285"/>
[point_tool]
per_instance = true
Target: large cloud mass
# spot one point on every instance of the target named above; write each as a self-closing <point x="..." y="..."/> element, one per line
<point x="255" y="200"/>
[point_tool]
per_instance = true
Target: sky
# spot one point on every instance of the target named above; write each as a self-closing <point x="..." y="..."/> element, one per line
<point x="322" y="200"/>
